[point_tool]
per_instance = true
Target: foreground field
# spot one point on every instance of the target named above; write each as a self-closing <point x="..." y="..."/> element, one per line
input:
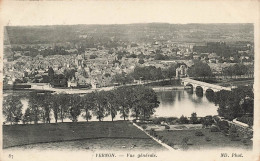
<point x="85" y="133"/>
<point x="115" y="144"/>
<point x="217" y="139"/>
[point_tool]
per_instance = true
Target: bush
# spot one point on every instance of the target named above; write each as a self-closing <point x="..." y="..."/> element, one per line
<point x="214" y="129"/>
<point x="183" y="120"/>
<point x="233" y="130"/>
<point x="207" y="139"/>
<point x="199" y="133"/>
<point x="170" y="120"/>
<point x="223" y="125"/>
<point x="234" y="136"/>
<point x="144" y="126"/>
<point x="194" y="118"/>
<point x="225" y="131"/>
<point x="245" y="142"/>
<point x="207" y="121"/>
<point x="152" y="132"/>
<point x="167" y="127"/>
<point x="247" y="120"/>
<point x="158" y="120"/>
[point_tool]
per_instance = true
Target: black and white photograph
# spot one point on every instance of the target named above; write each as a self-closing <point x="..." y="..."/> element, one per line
<point x="136" y="89"/>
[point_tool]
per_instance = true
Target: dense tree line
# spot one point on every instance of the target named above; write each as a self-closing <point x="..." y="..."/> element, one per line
<point x="146" y="73"/>
<point x="139" y="101"/>
<point x="235" y="103"/>
<point x="238" y="70"/>
<point x="122" y="78"/>
<point x="200" y="69"/>
<point x="220" y="48"/>
<point x="203" y="70"/>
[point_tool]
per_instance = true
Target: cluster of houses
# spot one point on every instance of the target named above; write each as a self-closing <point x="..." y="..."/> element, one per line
<point x="96" y="67"/>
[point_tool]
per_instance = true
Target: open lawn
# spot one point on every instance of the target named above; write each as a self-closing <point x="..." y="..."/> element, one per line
<point x="16" y="135"/>
<point x="96" y="144"/>
<point x="217" y="139"/>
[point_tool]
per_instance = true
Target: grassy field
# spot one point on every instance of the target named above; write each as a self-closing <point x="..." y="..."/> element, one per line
<point x="118" y="144"/>
<point x="218" y="140"/>
<point x="17" y="135"/>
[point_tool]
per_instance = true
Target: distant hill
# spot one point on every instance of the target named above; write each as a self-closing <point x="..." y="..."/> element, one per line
<point x="129" y="32"/>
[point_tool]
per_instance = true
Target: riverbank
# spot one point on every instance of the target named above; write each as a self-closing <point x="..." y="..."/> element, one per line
<point x="168" y="88"/>
<point x="63" y="90"/>
<point x="123" y="131"/>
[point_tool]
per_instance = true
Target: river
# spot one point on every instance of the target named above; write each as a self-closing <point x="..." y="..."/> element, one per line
<point x="173" y="103"/>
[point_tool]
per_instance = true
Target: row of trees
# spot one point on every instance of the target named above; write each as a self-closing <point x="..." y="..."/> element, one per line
<point x="139" y="101"/>
<point x="146" y="73"/>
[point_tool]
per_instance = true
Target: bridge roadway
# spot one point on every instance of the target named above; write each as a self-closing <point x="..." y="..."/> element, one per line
<point x="205" y="86"/>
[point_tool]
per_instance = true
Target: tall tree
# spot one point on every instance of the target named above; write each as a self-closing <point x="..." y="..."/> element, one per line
<point x="35" y="106"/>
<point x="27" y="118"/>
<point x="64" y="105"/>
<point x="46" y="104"/>
<point x="110" y="104"/>
<point x="147" y="100"/>
<point x="51" y="74"/>
<point x="88" y="105"/>
<point x="75" y="106"/>
<point x="12" y="109"/>
<point x="99" y="108"/>
<point x="121" y="96"/>
<point x="170" y="72"/>
<point x="55" y="105"/>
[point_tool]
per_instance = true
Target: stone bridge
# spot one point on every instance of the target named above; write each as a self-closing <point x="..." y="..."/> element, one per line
<point x="205" y="86"/>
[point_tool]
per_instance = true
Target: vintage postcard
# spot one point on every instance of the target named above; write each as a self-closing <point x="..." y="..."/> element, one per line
<point x="129" y="80"/>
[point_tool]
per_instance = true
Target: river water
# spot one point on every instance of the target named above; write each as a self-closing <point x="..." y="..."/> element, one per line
<point x="181" y="102"/>
<point x="173" y="103"/>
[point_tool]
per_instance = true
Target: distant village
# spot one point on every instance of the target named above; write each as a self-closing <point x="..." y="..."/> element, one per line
<point x="96" y="67"/>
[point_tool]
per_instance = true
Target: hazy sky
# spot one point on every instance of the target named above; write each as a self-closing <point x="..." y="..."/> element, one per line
<point x="119" y="12"/>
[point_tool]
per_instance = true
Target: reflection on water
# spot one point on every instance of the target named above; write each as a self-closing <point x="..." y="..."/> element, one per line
<point x="173" y="103"/>
<point x="180" y="102"/>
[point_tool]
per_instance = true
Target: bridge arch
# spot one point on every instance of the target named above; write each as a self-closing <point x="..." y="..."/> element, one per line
<point x="199" y="91"/>
<point x="189" y="85"/>
<point x="210" y="94"/>
<point x="209" y="90"/>
<point x="204" y="85"/>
